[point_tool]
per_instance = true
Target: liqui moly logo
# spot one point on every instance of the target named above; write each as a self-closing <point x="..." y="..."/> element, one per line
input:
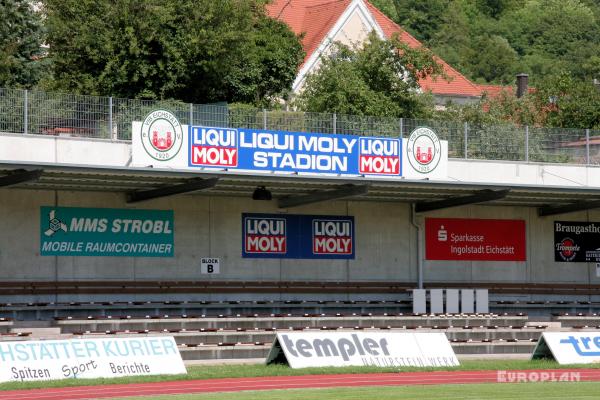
<point x="213" y="147"/>
<point x="265" y="235"/>
<point x="332" y="236"/>
<point x="379" y="156"/>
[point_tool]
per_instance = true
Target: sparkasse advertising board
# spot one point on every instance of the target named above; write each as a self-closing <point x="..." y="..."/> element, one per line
<point x="383" y="349"/>
<point x="475" y="239"/>
<point x="79" y="231"/>
<point x="297" y="236"/>
<point x="89" y="358"/>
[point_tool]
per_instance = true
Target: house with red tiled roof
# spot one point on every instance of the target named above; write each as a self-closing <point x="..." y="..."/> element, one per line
<point x="324" y="22"/>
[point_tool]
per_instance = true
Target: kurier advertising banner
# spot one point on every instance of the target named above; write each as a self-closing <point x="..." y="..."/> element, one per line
<point x="89" y="358"/>
<point x="76" y="231"/>
<point x="383" y="349"/>
<point x="475" y="239"/>
<point x="569" y="347"/>
<point x="576" y="241"/>
<point x="160" y="140"/>
<point x="297" y="236"/>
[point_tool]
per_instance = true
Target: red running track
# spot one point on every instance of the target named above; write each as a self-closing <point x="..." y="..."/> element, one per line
<point x="299" y="382"/>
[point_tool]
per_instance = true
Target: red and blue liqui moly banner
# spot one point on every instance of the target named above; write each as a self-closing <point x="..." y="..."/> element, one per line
<point x="297" y="236"/>
<point x="248" y="149"/>
<point x="160" y="140"/>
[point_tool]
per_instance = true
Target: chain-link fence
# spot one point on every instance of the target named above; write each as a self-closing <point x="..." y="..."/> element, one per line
<point x="58" y="114"/>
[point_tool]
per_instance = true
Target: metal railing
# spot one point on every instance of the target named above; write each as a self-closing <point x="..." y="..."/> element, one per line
<point x="43" y="113"/>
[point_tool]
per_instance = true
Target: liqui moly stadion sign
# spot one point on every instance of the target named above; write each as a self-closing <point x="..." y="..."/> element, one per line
<point x="159" y="142"/>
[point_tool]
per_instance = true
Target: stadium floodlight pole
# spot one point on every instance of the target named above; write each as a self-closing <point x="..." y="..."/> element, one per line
<point x="413" y="221"/>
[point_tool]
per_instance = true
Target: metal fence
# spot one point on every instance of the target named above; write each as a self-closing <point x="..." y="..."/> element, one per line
<point x="42" y="113"/>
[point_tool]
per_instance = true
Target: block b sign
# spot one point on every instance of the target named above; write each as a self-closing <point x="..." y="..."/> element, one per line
<point x="297" y="236"/>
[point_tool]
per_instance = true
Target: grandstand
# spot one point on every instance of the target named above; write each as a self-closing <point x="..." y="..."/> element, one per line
<point x="69" y="162"/>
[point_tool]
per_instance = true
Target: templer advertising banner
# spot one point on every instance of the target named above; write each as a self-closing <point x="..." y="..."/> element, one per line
<point x="78" y="231"/>
<point x="576" y="241"/>
<point x="569" y="347"/>
<point x="34" y="360"/>
<point x="475" y="239"/>
<point x="297" y="236"/>
<point x="383" y="349"/>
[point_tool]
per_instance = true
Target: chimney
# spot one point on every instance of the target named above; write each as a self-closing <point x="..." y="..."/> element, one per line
<point x="522" y="81"/>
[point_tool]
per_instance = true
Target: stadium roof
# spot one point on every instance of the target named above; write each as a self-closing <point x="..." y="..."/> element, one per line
<point x="41" y="176"/>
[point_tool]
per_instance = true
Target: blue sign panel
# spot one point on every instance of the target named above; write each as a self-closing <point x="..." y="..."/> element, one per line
<point x="259" y="150"/>
<point x="297" y="236"/>
<point x="74" y="231"/>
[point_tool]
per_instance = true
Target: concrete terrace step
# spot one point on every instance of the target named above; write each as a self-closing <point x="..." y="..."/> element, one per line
<point x="260" y="350"/>
<point x="223" y="336"/>
<point x="310" y="321"/>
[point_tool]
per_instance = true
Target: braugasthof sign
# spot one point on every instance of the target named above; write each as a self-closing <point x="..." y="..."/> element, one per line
<point x="390" y="349"/>
<point x="89" y="358"/>
<point x="475" y="239"/>
<point x="297" y="236"/>
<point x="75" y="231"/>
<point x="576" y="241"/>
<point x="265" y="150"/>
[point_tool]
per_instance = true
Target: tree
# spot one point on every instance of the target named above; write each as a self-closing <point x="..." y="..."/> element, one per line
<point x="552" y="35"/>
<point x="380" y="79"/>
<point x="21" y="37"/>
<point x="572" y="103"/>
<point x="193" y="50"/>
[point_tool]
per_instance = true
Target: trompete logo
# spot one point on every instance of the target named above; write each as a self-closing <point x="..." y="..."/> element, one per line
<point x="265" y="235"/>
<point x="379" y="156"/>
<point x="567" y="248"/>
<point x="332" y="236"/>
<point x="213" y="147"/>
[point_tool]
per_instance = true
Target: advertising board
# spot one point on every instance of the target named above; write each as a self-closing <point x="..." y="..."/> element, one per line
<point x="383" y="349"/>
<point x="297" y="236"/>
<point x="78" y="231"/>
<point x="475" y="239"/>
<point x="569" y="347"/>
<point x="576" y="241"/>
<point x="89" y="358"/>
<point x="158" y="142"/>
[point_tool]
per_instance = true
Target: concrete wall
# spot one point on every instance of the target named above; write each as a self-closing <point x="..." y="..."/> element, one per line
<point x="205" y="227"/>
<point x="211" y="227"/>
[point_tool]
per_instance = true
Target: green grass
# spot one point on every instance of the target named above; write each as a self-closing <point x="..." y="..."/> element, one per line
<point x="239" y="371"/>
<point x="489" y="391"/>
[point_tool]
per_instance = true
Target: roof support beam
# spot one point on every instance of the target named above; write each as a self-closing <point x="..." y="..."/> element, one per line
<point x="478" y="197"/>
<point x="568" y="208"/>
<point x="191" y="186"/>
<point x="19" y="176"/>
<point x="342" y="192"/>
